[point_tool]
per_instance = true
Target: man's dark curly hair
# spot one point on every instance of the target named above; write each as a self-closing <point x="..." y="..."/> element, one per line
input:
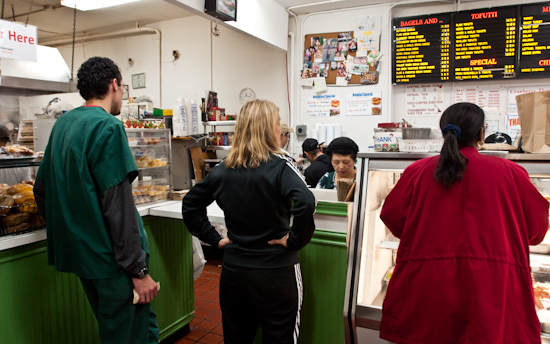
<point x="95" y="75"/>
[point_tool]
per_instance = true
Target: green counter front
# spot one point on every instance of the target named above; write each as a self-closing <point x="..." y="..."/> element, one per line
<point x="41" y="305"/>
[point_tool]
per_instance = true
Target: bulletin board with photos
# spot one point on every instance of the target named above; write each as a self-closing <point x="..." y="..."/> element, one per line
<point x="333" y="55"/>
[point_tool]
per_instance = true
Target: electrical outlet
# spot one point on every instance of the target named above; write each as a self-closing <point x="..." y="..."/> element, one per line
<point x="301" y="130"/>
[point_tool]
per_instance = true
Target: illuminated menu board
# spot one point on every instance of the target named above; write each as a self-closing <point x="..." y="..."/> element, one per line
<point x="421" y="49"/>
<point x="485" y="44"/>
<point x="534" y="58"/>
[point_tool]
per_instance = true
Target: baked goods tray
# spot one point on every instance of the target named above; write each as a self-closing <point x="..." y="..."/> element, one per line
<point x="19" y="219"/>
<point x="18" y="161"/>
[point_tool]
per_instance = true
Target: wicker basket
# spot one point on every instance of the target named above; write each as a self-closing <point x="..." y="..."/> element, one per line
<point x="20" y="218"/>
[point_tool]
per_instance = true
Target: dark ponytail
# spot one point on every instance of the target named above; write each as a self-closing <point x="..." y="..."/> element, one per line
<point x="460" y="124"/>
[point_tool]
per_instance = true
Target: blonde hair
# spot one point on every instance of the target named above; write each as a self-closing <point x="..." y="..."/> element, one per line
<point x="255" y="139"/>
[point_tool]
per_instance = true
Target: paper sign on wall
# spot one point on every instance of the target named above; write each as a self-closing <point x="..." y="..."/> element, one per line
<point x="367" y="32"/>
<point x="17" y="41"/>
<point x="323" y="105"/>
<point x="364" y="104"/>
<point x="486" y="97"/>
<point x="516" y="91"/>
<point x="512" y="126"/>
<point x="425" y="100"/>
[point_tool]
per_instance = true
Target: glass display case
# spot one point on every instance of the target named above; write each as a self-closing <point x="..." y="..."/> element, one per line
<point x="373" y="249"/>
<point x="152" y="151"/>
<point x="20" y="222"/>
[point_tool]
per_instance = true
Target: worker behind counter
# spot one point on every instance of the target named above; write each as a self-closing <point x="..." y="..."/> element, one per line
<point x="320" y="162"/>
<point x="16" y="175"/>
<point x="342" y="152"/>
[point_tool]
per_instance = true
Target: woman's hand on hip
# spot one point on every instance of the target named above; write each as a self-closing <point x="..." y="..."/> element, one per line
<point x="281" y="241"/>
<point x="222" y="243"/>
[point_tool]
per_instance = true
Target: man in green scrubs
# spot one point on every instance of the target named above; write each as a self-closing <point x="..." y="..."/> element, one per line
<point x="83" y="189"/>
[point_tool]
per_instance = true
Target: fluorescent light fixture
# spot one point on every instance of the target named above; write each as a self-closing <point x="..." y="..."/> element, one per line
<point x="87" y="5"/>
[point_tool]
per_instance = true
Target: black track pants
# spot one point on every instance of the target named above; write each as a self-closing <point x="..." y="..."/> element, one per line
<point x="270" y="298"/>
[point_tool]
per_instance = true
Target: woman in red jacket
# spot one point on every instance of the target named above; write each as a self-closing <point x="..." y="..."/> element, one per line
<point x="465" y="221"/>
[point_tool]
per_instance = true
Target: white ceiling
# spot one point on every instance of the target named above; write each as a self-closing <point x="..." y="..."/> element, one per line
<point x="56" y="22"/>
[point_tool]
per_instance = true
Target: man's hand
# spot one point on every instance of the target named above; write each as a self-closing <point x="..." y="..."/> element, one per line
<point x="146" y="288"/>
<point x="222" y="243"/>
<point x="281" y="241"/>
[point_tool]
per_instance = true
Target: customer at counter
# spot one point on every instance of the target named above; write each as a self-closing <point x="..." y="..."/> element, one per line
<point x="342" y="152"/>
<point x="259" y="188"/>
<point x="465" y="221"/>
<point x="320" y="162"/>
<point x="83" y="190"/>
<point x="285" y="136"/>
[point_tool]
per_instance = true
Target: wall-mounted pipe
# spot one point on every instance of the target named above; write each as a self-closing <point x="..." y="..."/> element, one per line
<point x="90" y="37"/>
<point x="159" y="38"/>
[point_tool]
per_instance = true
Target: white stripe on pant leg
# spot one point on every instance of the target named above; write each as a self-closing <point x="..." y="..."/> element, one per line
<point x="298" y="274"/>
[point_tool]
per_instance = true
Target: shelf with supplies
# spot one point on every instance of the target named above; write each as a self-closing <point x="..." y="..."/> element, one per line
<point x="216" y="148"/>
<point x="135" y="111"/>
<point x="218" y="140"/>
<point x="151" y="149"/>
<point x="218" y="123"/>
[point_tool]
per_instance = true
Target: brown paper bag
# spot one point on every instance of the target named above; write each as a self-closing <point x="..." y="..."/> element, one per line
<point x="534" y="118"/>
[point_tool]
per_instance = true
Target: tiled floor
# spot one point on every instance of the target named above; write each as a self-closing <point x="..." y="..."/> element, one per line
<point x="206" y="328"/>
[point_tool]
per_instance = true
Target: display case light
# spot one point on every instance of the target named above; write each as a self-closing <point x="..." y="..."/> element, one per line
<point x="87" y="5"/>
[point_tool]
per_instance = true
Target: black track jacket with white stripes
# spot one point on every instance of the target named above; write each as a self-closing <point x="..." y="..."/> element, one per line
<point x="258" y="204"/>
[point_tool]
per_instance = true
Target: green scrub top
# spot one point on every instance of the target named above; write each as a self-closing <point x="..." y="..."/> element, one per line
<point x="87" y="153"/>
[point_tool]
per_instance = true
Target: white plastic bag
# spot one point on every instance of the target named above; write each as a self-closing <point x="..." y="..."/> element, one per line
<point x="198" y="258"/>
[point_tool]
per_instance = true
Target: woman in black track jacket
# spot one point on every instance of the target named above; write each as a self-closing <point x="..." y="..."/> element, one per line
<point x="259" y="189"/>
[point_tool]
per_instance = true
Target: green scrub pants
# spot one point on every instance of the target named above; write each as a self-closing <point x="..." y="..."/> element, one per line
<point x="120" y="321"/>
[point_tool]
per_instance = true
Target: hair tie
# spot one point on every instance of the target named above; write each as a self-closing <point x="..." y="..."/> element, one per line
<point x="453" y="128"/>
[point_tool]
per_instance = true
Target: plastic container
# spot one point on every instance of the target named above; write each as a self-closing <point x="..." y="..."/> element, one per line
<point x="420" y="146"/>
<point x="387" y="139"/>
<point x="194" y="117"/>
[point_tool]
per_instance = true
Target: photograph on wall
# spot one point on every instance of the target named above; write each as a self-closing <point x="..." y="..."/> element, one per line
<point x="348" y="77"/>
<point x="317" y="41"/>
<point x="353" y="45"/>
<point x="341" y="69"/>
<point x="323" y="68"/>
<point x="339" y="56"/>
<point x="343" y="41"/>
<point x="344" y="37"/>
<point x="343" y="46"/>
<point x="333" y="65"/>
<point x="318" y="56"/>
<point x="369" y="78"/>
<point x="314" y="70"/>
<point x="306" y="74"/>
<point x="359" y="65"/>
<point x="329" y="49"/>
<point x="308" y="54"/>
